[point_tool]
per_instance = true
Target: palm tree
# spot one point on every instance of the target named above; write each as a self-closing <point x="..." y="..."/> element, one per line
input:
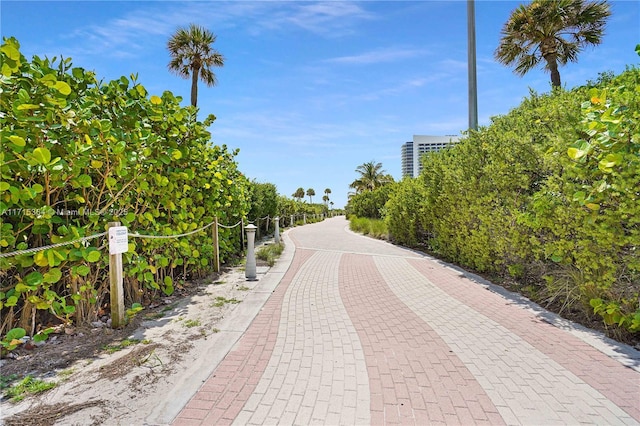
<point x="298" y="194"/>
<point x="327" y="191"/>
<point x="193" y="56"/>
<point x="371" y="177"/>
<point x="553" y="30"/>
<point x="310" y="193"/>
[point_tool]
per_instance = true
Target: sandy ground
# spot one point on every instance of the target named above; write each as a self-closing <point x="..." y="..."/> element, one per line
<point x="149" y="382"/>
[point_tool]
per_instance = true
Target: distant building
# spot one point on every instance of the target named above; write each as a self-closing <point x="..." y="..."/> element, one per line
<point x="412" y="151"/>
<point x="407" y="159"/>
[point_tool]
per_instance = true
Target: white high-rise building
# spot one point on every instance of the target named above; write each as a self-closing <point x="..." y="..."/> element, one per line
<point x="412" y="151"/>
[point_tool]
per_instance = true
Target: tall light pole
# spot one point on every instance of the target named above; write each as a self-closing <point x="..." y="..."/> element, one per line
<point x="471" y="65"/>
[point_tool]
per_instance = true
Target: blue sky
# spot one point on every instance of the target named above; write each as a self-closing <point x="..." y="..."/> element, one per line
<point x="310" y="90"/>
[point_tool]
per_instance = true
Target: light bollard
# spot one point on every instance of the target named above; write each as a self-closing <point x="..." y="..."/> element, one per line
<point x="276" y="235"/>
<point x="250" y="268"/>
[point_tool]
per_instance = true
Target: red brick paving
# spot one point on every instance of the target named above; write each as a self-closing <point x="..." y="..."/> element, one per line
<point x="414" y="377"/>
<point x="237" y="375"/>
<point x="615" y="381"/>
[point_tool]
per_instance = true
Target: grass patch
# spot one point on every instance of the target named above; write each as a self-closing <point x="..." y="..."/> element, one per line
<point x="244" y="288"/>
<point x="191" y="323"/>
<point x="375" y="228"/>
<point x="27" y="386"/>
<point x="120" y="346"/>
<point x="270" y="253"/>
<point x="221" y="301"/>
<point x="65" y="374"/>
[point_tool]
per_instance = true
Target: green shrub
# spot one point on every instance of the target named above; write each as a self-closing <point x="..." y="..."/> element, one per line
<point x="369" y="203"/>
<point x="375" y="228"/>
<point x="270" y="253"/>
<point x="78" y="153"/>
<point x="547" y="193"/>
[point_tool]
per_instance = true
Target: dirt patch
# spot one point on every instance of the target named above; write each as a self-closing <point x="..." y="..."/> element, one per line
<point x="117" y="376"/>
<point x="46" y="415"/>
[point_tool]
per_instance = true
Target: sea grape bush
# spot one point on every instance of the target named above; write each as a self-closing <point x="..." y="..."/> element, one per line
<point x="548" y="194"/>
<point x="78" y="153"/>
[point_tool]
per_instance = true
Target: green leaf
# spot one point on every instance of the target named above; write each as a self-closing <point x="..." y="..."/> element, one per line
<point x="42" y="155"/>
<point x="53" y="275"/>
<point x="22" y="288"/>
<point x="84" y="181"/>
<point x="593" y="206"/>
<point x="82" y="270"/>
<point x="611" y="160"/>
<point x="34" y="278"/>
<point x="579" y="196"/>
<point x="15" y="333"/>
<point x="156" y="100"/>
<point x="63" y="87"/>
<point x="11" y="51"/>
<point x="23" y="107"/>
<point x="17" y="140"/>
<point x="92" y="256"/>
<point x="4" y="186"/>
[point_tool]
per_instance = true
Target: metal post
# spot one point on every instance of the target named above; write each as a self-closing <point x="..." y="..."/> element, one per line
<point x="292" y="222"/>
<point x="304" y="219"/>
<point x="471" y="55"/>
<point x="276" y="234"/>
<point x="250" y="267"/>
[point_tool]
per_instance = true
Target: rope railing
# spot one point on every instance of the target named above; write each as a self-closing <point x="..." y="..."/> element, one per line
<point x="65" y="243"/>
<point x="102" y="234"/>
<point x="135" y="235"/>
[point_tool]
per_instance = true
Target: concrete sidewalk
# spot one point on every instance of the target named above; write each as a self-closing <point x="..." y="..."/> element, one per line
<point x="358" y="331"/>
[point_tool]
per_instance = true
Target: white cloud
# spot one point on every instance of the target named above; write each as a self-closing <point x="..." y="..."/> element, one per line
<point x="377" y="56"/>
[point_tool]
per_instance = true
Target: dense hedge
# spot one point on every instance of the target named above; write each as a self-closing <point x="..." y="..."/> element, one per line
<point x="548" y="194"/>
<point x="78" y="153"/>
<point x="370" y="203"/>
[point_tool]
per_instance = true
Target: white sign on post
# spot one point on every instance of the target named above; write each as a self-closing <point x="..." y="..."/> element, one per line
<point x="118" y="240"/>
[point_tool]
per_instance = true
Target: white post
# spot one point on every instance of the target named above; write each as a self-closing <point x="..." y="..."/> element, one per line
<point x="291" y="223"/>
<point x="250" y="268"/>
<point x="276" y="235"/>
<point x="304" y="219"/>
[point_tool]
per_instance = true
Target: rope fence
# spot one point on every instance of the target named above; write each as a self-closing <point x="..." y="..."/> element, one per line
<point x="137" y="235"/>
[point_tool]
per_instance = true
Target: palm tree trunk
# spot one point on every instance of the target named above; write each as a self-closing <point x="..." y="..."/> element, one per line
<point x="194" y="87"/>
<point x="555" y="74"/>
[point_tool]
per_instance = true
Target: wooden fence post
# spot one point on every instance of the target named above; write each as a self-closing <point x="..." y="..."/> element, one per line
<point x="115" y="287"/>
<point x="216" y="246"/>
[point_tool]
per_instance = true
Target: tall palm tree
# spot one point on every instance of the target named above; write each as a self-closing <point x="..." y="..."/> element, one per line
<point x="325" y="198"/>
<point x="298" y="194"/>
<point x="310" y="193"/>
<point x="371" y="177"/>
<point x="193" y="56"/>
<point x="551" y="30"/>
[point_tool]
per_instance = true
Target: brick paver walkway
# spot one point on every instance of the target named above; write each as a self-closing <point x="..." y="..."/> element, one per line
<point x="362" y="332"/>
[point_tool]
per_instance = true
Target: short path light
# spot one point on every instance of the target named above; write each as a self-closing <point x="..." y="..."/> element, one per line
<point x="250" y="268"/>
<point x="276" y="236"/>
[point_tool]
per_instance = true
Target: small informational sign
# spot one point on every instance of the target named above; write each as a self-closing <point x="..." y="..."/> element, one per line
<point x="118" y="240"/>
